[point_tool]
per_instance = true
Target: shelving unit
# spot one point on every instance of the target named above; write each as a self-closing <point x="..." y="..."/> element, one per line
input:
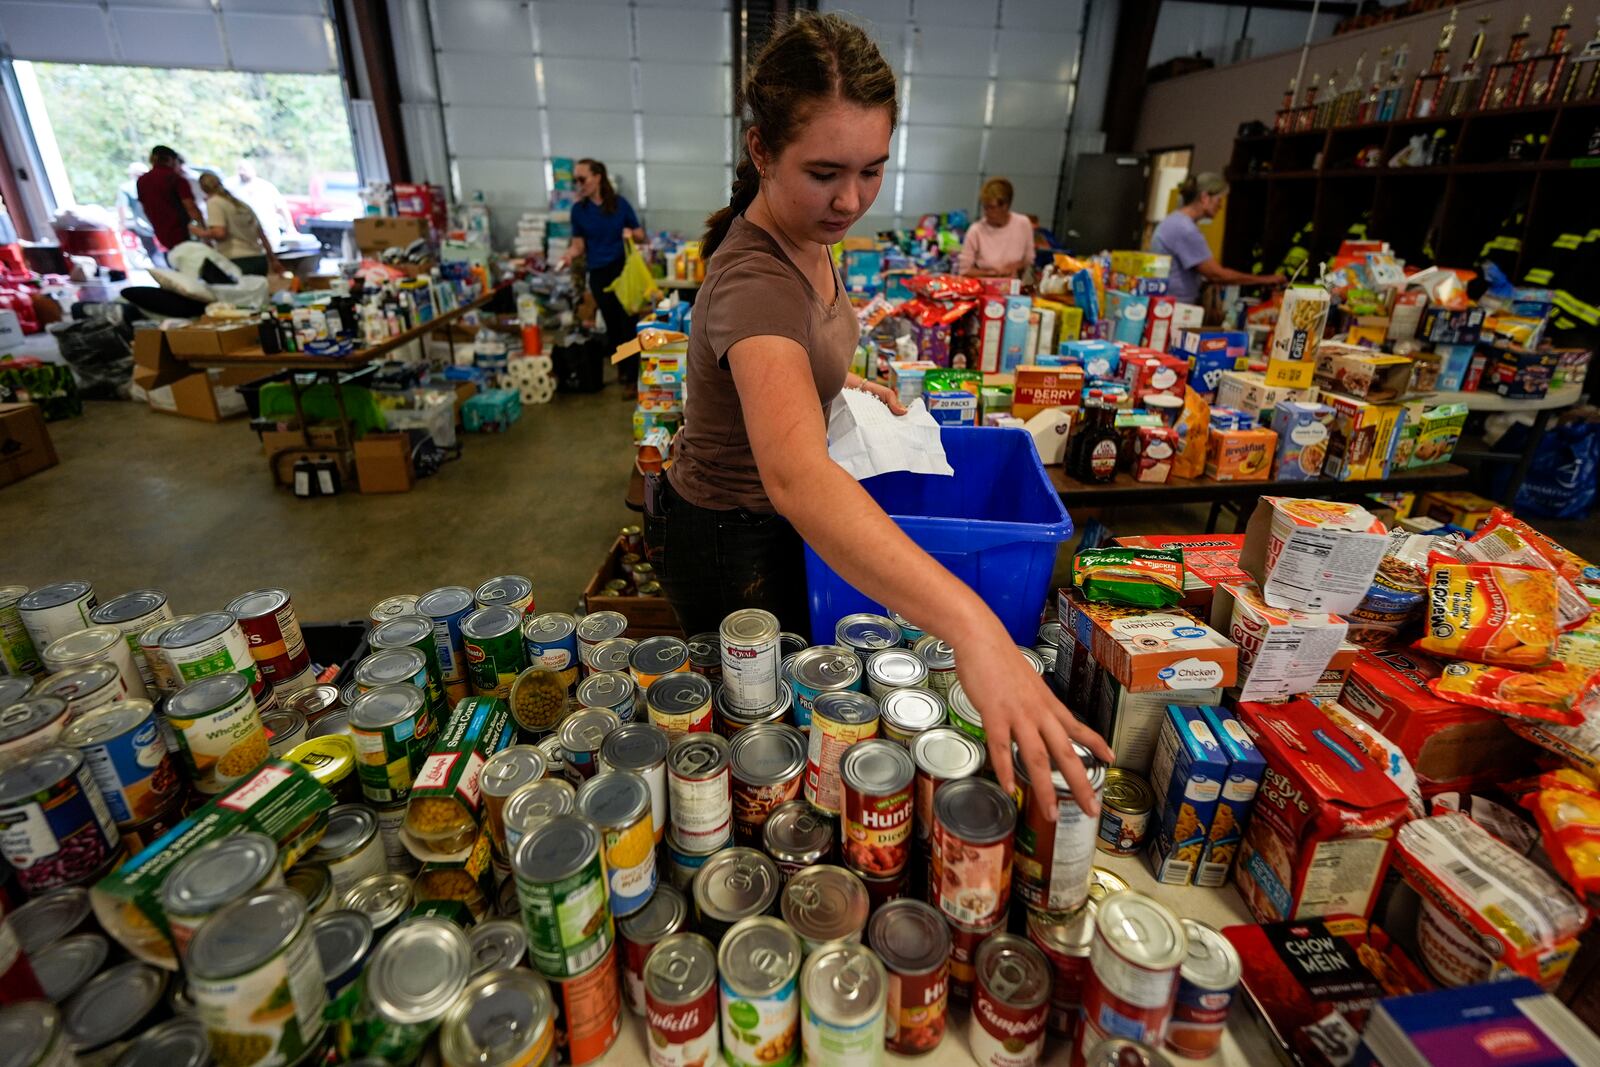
<point x="1281" y="181"/>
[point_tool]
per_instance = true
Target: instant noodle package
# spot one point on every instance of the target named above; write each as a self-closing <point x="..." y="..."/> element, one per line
<point x="1492" y="613"/>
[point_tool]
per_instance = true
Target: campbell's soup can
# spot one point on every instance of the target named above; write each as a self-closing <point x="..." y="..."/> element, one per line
<point x="273" y="630"/>
<point x="1054" y="856"/>
<point x="1207" y="979"/>
<point x="878" y="777"/>
<point x="665" y="914"/>
<point x="1134" y="958"/>
<point x="1065" y="944"/>
<point x="1010" y="1003"/>
<point x="749" y="647"/>
<point x="681" y="1002"/>
<point x="913" y="941"/>
<point x="970" y="876"/>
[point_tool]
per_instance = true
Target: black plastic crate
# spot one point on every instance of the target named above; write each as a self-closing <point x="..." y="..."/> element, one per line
<point x="336" y="643"/>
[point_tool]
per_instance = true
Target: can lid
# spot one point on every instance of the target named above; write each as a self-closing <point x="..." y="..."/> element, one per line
<point x="1034" y="659"/>
<point x="975" y="810"/>
<point x="13" y="689"/>
<point x="1013" y="970"/>
<point x="699" y="755"/>
<point x="767" y="753"/>
<point x="1126" y="791"/>
<point x="241" y="936"/>
<point x="64" y="967"/>
<point x="848" y="707"/>
<point x="49" y="917"/>
<point x="735" y="883"/>
<point x="844" y="983"/>
<point x="611" y="655"/>
<point x="659" y="655"/>
<point x="29" y="1031"/>
<point x="749" y="626"/>
<point x="94" y="641"/>
<point x="1093" y="766"/>
<point x="330" y="724"/>
<point x="876" y="766"/>
<point x="491" y="622"/>
<point x="258" y="602"/>
<point x="24" y="717"/>
<point x="664" y="913"/>
<point x="54" y="595"/>
<point x="350" y="826"/>
<point x="38" y="771"/>
<point x="196" y="628"/>
<point x="825" y="903"/>
<point x="390" y="666"/>
<point x="606" y="689"/>
<point x="795" y="832"/>
<point x="867" y="631"/>
<point x="705" y="650"/>
<point x="510" y="769"/>
<point x="380" y="897"/>
<point x="680" y="968"/>
<point x="896" y="667"/>
<point x="600" y="626"/>
<point x="128" y="607"/>
<point x="400" y="632"/>
<point x="497" y="945"/>
<point x="759" y="956"/>
<point x="614" y="800"/>
<point x="418" y="969"/>
<point x="74" y="682"/>
<point x="444" y="602"/>
<point x="391" y="607"/>
<point x="912" y="709"/>
<point x="1141" y="930"/>
<point x="1102" y="883"/>
<point x="112" y="1004"/>
<point x="911" y="937"/>
<point x="1069" y="936"/>
<point x="585" y="730"/>
<point x="549" y="627"/>
<point x="939" y="655"/>
<point x="678" y="694"/>
<point x="1211" y="961"/>
<point x="100" y="724"/>
<point x="281" y="722"/>
<point x="217" y="873"/>
<point x="507" y="588"/>
<point x="825" y="668"/>
<point x="344" y="937"/>
<point x="501" y="1016"/>
<point x="557" y="848"/>
<point x="312" y="881"/>
<point x="205" y="695"/>
<point x="634" y="746"/>
<point x="178" y="1042"/>
<point x="385" y="705"/>
<point x="1050" y="634"/>
<point x="537" y="801"/>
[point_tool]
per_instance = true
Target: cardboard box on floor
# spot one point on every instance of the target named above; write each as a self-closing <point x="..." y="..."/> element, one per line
<point x="207" y="395"/>
<point x="212" y="338"/>
<point x="374" y="233"/>
<point x="648" y="616"/>
<point x="154" y="365"/>
<point x="25" y="446"/>
<point x="383" y="463"/>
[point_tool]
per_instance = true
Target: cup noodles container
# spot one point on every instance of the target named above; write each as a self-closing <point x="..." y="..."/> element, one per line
<point x="1187" y="774"/>
<point x="1282" y="652"/>
<point x="1150" y="651"/>
<point x="1313" y="555"/>
<point x="1138" y="946"/>
<point x="1292" y="348"/>
<point x="1240" y="455"/>
<point x="1246" y="768"/>
<point x="1491" y="896"/>
<point x="1318" y="840"/>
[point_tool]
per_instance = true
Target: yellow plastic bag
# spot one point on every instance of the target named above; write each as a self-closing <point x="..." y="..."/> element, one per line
<point x="635" y="287"/>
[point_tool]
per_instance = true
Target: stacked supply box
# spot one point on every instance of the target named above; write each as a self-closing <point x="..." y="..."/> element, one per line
<point x="662" y="354"/>
<point x="1188" y="774"/>
<point x="1246" y="767"/>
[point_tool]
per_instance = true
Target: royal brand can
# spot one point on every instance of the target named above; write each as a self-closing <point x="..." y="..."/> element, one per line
<point x="97" y="644"/>
<point x="734" y="884"/>
<point x="506" y="591"/>
<point x="1207" y="979"/>
<point x="504" y="1018"/>
<point x="877" y="776"/>
<point x="940" y="659"/>
<point x="551" y="640"/>
<point x="964" y="714"/>
<point x="285" y="728"/>
<point x="345" y="941"/>
<point x="17" y="654"/>
<point x="392" y="608"/>
<point x="215" y="730"/>
<point x="418" y="970"/>
<point x="910" y="633"/>
<point x="889" y="669"/>
<point x="838" y="720"/>
<point x="256" y="952"/>
<point x="683" y="862"/>
<point x="970" y="876"/>
<point x="492" y="641"/>
<point x="84" y="688"/>
<point x="768" y="763"/>
<point x="618" y="802"/>
<point x="729" y="721"/>
<point x="1010" y="1003"/>
<point x="749" y="647"/>
<point x="657" y="657"/>
<point x="415" y="632"/>
<point x="116" y="1005"/>
<point x="503" y="774"/>
<point x="1054" y="857"/>
<point x="1124" y="813"/>
<point x="128" y="757"/>
<point x="641" y="748"/>
<point x="391" y="730"/>
<point x="351" y="848"/>
<point x="497" y="944"/>
<point x="821" y="669"/>
<point x="797" y="836"/>
<point x="612" y="655"/>
<point x="54" y="826"/>
<point x="666" y="913"/>
<point x="211" y="644"/>
<point x="529" y="807"/>
<point x="271" y="626"/>
<point x="582" y="734"/>
<point x="705" y="655"/>
<point x="445" y="607"/>
<point x="679" y="703"/>
<point x="865" y="634"/>
<point x="383" y="898"/>
<point x="823" y="903"/>
<point x="1064" y="940"/>
<point x="32" y="725"/>
<point x="55" y="610"/>
<point x="561" y="885"/>
<point x="214" y="876"/>
<point x="843" y="990"/>
<point x="759" y="967"/>
<point x="679" y="988"/>
<point x="611" y="690"/>
<point x="700" y="790"/>
<point x="163" y="678"/>
<point x="598" y="627"/>
<point x="1133" y="967"/>
<point x="905" y="713"/>
<point x="913" y="941"/>
<point x="588" y="1011"/>
<point x="538" y="701"/>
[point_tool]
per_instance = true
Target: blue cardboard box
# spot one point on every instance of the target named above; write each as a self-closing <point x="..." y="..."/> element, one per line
<point x="1014" y="336"/>
<point x="1100" y="358"/>
<point x="1127" y="312"/>
<point x="491" y="412"/>
<point x="1246" y="768"/>
<point x="1188" y="773"/>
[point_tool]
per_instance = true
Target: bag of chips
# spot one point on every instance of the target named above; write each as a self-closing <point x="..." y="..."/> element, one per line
<point x="1491" y="613"/>
<point x="1193" y="430"/>
<point x="1550" y="694"/>
<point x="1138" y="577"/>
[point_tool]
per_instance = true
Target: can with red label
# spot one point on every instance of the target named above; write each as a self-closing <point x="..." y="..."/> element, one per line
<point x="1207" y="980"/>
<point x="942" y="754"/>
<point x="768" y="761"/>
<point x="637" y="936"/>
<point x="1054" y="856"/>
<point x="682" y="1002"/>
<point x="838" y="721"/>
<point x="588" y="1011"/>
<point x="970" y="876"/>
<point x="1133" y="967"/>
<point x="964" y="942"/>
<point x="882" y="890"/>
<point x="877" y="777"/>
<point x="913" y="941"/>
<point x="680" y="704"/>
<point x="1065" y="944"/>
<point x="271" y="626"/>
<point x="700" y="790"/>
<point x="1010" y="1003"/>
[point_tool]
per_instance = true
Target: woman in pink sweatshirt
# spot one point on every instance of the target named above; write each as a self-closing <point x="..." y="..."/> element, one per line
<point x="1000" y="244"/>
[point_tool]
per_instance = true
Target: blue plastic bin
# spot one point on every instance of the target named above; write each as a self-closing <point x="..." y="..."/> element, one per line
<point x="996" y="525"/>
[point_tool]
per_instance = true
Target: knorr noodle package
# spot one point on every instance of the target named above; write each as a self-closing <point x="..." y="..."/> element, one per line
<point x="1553" y="693"/>
<point x="1491" y="613"/>
<point x="1138" y="577"/>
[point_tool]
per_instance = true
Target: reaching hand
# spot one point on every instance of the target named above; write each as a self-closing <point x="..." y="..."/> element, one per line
<point x="890" y="398"/>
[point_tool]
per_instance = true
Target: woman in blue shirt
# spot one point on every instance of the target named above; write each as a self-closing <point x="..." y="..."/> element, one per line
<point x="600" y="219"/>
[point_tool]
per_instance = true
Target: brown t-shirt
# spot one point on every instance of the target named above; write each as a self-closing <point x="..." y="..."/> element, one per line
<point x="752" y="289"/>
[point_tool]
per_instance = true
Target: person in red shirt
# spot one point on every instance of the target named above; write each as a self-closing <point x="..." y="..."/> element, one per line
<point x="168" y="198"/>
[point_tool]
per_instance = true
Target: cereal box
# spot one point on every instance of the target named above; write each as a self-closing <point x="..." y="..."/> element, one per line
<point x="1240" y="455"/>
<point x="1292" y="350"/>
<point x="1187" y="774"/>
<point x="1318" y="840"/>
<point x="1245" y="769"/>
<point x="1375" y="376"/>
<point x="954" y="408"/>
<point x="1302" y="430"/>
<point x="1150" y="651"/>
<point x="1361" y="445"/>
<point x="1313" y="555"/>
<point x="1282" y="652"/>
<point x="1131" y="722"/>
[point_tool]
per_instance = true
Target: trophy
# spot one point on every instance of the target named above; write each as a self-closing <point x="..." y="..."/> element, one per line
<point x="1324" y="117"/>
<point x="1306" y="113"/>
<point x="1349" y="99"/>
<point x="1504" y="83"/>
<point x="1462" y="94"/>
<point x="1283" y="119"/>
<point x="1389" y="99"/>
<point x="1583" y="80"/>
<point x="1545" y="70"/>
<point x="1367" y="109"/>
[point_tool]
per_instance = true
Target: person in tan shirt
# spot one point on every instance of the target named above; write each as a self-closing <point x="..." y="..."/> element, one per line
<point x="751" y="482"/>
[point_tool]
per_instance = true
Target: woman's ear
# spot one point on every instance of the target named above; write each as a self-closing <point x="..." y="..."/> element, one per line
<point x="757" y="150"/>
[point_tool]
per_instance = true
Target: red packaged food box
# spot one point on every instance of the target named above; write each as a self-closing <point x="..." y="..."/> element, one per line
<point x="1314" y="983"/>
<point x="1207" y="560"/>
<point x="1447" y="743"/>
<point x="1318" y="841"/>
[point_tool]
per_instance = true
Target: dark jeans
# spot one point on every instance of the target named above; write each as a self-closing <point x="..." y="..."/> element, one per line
<point x="713" y="562"/>
<point x="619" y="324"/>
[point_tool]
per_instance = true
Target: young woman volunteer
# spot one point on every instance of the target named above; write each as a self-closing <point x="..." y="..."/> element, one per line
<point x="600" y="220"/>
<point x="770" y="348"/>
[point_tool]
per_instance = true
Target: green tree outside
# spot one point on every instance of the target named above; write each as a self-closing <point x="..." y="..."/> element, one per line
<point x="291" y="125"/>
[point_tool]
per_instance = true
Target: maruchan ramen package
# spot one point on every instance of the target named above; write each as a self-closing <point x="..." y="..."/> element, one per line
<point x="1138" y="577"/>
<point x="1554" y="693"/>
<point x="1569" y="822"/>
<point x="1491" y="613"/>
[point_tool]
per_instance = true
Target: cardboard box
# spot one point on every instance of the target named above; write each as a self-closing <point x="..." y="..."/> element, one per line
<point x="1211" y="354"/>
<point x="1456" y="507"/>
<point x="25" y="446"/>
<point x="154" y="365"/>
<point x="1302" y="430"/>
<point x="1361" y="446"/>
<point x="1150" y="651"/>
<point x="383" y="463"/>
<point x="1249" y="392"/>
<point x="1292" y="349"/>
<point x="648" y="616"/>
<point x="281" y="465"/>
<point x="210" y="396"/>
<point x="1518" y="374"/>
<point x="1127" y="313"/>
<point x="374" y="233"/>
<point x="1282" y="652"/>
<point x="1319" y="837"/>
<point x="1246" y="767"/>
<point x="1441" y="326"/>
<point x="1014" y="348"/>
<point x="1208" y="559"/>
<point x="1376" y="376"/>
<point x="1150" y="373"/>
<point x="1036" y="388"/>
<point x="1240" y="455"/>
<point x="1428" y="435"/>
<point x="1158" y="322"/>
<point x="1187" y="775"/>
<point x="1312" y="555"/>
<point x="212" y="339"/>
<point x="1131" y="722"/>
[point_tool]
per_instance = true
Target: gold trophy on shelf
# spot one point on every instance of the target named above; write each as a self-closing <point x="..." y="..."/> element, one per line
<point x="1428" y="86"/>
<point x="1348" y="102"/>
<point x="1394" y="89"/>
<point x="1324" y="116"/>
<point x="1504" y="83"/>
<point x="1545" y="70"/>
<point x="1462" y="94"/>
<point x="1283" y="120"/>
<point x="1306" y="114"/>
<point x="1583" y="80"/>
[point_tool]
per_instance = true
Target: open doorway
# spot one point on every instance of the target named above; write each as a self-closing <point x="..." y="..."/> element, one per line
<point x="1168" y="168"/>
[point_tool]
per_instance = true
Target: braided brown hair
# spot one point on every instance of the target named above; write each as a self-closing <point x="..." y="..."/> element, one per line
<point x="812" y="58"/>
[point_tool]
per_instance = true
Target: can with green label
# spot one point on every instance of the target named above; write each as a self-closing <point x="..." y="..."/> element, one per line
<point x="415" y="631"/>
<point x="492" y="638"/>
<point x="561" y="887"/>
<point x="392" y="731"/>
